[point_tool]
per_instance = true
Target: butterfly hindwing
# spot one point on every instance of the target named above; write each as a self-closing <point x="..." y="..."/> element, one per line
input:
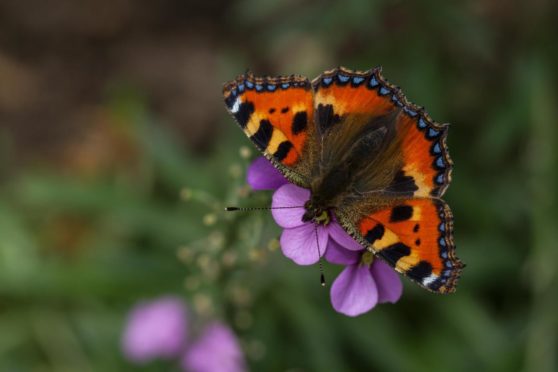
<point x="415" y="237"/>
<point x="423" y="167"/>
<point x="277" y="115"/>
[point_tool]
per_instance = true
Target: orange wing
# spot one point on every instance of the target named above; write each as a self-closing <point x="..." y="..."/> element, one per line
<point x="276" y="114"/>
<point x="416" y="238"/>
<point x="426" y="164"/>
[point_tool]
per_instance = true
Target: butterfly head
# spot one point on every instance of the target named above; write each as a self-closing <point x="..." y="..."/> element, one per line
<point x="315" y="214"/>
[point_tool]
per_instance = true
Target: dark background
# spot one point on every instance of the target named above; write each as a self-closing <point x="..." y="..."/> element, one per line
<point x="117" y="156"/>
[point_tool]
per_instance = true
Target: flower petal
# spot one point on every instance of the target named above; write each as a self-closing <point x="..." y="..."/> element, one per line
<point x="342" y="237"/>
<point x="289" y="196"/>
<point x="336" y="254"/>
<point x="217" y="349"/>
<point x="387" y="280"/>
<point x="262" y="175"/>
<point x="155" y="329"/>
<point x="354" y="292"/>
<point x="299" y="244"/>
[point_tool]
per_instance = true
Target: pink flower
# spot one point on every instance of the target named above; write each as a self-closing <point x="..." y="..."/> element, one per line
<point x="155" y="329"/>
<point x="365" y="281"/>
<point x="262" y="175"/>
<point x="298" y="240"/>
<point x="216" y="350"/>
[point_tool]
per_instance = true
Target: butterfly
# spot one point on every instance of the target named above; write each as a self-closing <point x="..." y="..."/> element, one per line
<point x="372" y="160"/>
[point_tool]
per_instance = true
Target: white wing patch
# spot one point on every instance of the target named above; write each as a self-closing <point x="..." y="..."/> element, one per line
<point x="429" y="279"/>
<point x="236" y="106"/>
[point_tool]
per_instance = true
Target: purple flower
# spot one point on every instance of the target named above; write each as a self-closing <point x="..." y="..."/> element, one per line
<point x="365" y="281"/>
<point x="262" y="175"/>
<point x="216" y="350"/>
<point x="155" y="329"/>
<point x="298" y="240"/>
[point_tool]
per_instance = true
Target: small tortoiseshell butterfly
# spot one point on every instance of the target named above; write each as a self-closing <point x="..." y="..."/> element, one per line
<point x="371" y="159"/>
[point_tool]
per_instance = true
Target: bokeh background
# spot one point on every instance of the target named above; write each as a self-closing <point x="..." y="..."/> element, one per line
<point x="117" y="156"/>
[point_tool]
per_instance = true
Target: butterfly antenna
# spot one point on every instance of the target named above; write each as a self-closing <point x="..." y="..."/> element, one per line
<point x="246" y="209"/>
<point x="320" y="261"/>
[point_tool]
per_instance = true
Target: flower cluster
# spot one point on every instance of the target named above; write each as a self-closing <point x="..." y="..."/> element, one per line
<point x="159" y="329"/>
<point x="363" y="283"/>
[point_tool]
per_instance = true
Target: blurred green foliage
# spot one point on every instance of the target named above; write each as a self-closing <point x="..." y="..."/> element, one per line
<point x="79" y="246"/>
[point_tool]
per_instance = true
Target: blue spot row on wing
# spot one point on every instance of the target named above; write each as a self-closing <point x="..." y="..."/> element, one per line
<point x="266" y="86"/>
<point x="446" y="274"/>
<point x="396" y="100"/>
<point x="411" y="113"/>
<point x="373" y="83"/>
<point x="384" y="91"/>
<point x="343" y="79"/>
<point x="432" y="133"/>
<point x="436" y="149"/>
<point x="440" y="163"/>
<point x="357" y="80"/>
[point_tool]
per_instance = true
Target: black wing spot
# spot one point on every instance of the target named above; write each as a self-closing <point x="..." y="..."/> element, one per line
<point x="284" y="110"/>
<point x="300" y="122"/>
<point x="262" y="137"/>
<point x="394" y="252"/>
<point x="375" y="233"/>
<point x="283" y="150"/>
<point x="271" y="110"/>
<point x="402" y="184"/>
<point x="401" y="213"/>
<point x="245" y="110"/>
<point x="420" y="271"/>
<point x="417" y="242"/>
<point x="416" y="228"/>
<point x="326" y="117"/>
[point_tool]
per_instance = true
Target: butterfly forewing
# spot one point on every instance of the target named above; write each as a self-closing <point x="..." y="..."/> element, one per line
<point x="277" y="115"/>
<point x="422" y="166"/>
